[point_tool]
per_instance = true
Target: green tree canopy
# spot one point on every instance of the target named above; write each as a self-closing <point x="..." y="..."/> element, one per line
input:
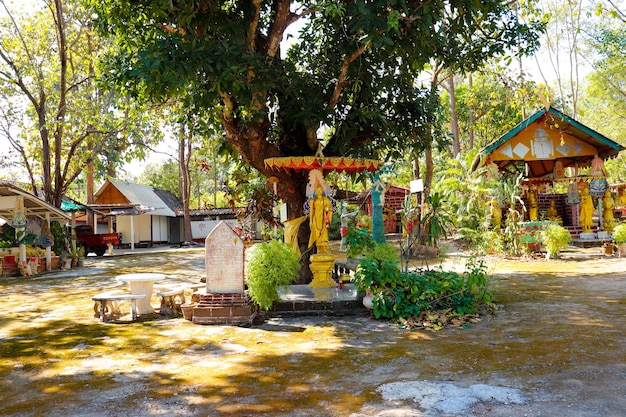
<point x="353" y="68"/>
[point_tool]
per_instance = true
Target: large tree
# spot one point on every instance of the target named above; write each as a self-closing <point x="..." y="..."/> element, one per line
<point x="352" y="69"/>
<point x="55" y="118"/>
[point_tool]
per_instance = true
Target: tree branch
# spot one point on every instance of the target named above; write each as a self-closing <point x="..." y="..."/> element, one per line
<point x="343" y="75"/>
<point x="253" y="26"/>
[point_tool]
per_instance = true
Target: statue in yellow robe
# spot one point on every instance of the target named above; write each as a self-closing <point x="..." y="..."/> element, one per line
<point x="532" y="205"/>
<point x="552" y="213"/>
<point x="586" y="210"/>
<point x="496" y="213"/>
<point x="320" y="216"/>
<point x="607" y="211"/>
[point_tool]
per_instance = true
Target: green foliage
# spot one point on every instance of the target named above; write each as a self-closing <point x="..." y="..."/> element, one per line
<point x="334" y="233"/>
<point x="465" y="189"/>
<point x="399" y="295"/>
<point x="492" y="241"/>
<point x="496" y="98"/>
<point x="269" y="266"/>
<point x="511" y="189"/>
<point x="225" y="56"/>
<point x="604" y="102"/>
<point x="619" y="233"/>
<point x="358" y="240"/>
<point x="163" y="176"/>
<point x="437" y="219"/>
<point x="378" y="269"/>
<point x="10" y="238"/>
<point x="555" y="238"/>
<point x="483" y="241"/>
<point x="60" y="235"/>
<point x="249" y="191"/>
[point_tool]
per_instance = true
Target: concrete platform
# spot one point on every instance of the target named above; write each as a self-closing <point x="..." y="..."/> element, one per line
<point x="300" y="300"/>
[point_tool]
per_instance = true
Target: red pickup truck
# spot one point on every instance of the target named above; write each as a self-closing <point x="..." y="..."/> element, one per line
<point x="93" y="242"/>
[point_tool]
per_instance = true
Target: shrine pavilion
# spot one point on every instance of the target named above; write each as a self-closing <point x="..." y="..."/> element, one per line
<point x="551" y="148"/>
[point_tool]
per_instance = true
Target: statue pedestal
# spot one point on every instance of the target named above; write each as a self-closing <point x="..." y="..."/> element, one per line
<point x="322" y="268"/>
<point x="587" y="236"/>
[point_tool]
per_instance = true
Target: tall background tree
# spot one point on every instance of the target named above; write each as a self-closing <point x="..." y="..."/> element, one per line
<point x="55" y="117"/>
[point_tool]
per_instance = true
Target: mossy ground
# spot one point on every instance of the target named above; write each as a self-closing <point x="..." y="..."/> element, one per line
<point x="559" y="338"/>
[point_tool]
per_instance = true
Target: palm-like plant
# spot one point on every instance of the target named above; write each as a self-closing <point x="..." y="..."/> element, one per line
<point x="511" y="189"/>
<point x="436" y="219"/>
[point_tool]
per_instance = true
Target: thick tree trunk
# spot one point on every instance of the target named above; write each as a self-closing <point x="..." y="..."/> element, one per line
<point x="184" y="153"/>
<point x="251" y="145"/>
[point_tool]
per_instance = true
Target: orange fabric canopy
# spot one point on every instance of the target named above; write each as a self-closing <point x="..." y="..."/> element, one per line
<point x="341" y="164"/>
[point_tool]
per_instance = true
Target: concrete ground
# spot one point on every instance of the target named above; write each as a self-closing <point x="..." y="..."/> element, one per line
<point x="556" y="347"/>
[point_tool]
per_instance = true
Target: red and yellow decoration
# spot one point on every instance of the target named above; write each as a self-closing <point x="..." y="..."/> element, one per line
<point x="308" y="163"/>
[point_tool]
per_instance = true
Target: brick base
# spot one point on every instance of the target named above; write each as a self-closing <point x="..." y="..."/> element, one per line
<point x="224" y="309"/>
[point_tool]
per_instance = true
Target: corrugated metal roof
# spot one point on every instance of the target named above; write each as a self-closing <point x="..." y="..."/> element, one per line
<point x="172" y="201"/>
<point x="35" y="207"/>
<point x="144" y="195"/>
<point x="227" y="211"/>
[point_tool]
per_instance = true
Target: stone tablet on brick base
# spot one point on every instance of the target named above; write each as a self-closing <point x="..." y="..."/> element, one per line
<point x="224" y="261"/>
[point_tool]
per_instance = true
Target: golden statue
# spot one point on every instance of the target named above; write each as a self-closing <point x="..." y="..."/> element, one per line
<point x="552" y="213"/>
<point x="607" y="211"/>
<point x="532" y="205"/>
<point x="320" y="216"/>
<point x="586" y="210"/>
<point x="622" y="197"/>
<point x="496" y="213"/>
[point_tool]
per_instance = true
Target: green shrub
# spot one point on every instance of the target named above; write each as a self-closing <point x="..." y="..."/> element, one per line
<point x="359" y="240"/>
<point x="398" y="295"/>
<point x="269" y="266"/>
<point x="555" y="238"/>
<point x="379" y="268"/>
<point x="435" y="290"/>
<point x="619" y="233"/>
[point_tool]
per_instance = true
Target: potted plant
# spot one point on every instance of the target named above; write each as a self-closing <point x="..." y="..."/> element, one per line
<point x="77" y="256"/>
<point x="66" y="260"/>
<point x="378" y="271"/>
<point x="619" y="236"/>
<point x="555" y="238"/>
<point x="269" y="266"/>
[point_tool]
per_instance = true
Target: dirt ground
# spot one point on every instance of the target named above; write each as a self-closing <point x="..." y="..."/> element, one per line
<point x="555" y="348"/>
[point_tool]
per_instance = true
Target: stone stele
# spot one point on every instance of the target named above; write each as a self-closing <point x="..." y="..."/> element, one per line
<point x="224" y="261"/>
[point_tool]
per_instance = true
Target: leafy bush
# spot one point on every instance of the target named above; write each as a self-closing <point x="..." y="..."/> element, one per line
<point x="379" y="268"/>
<point x="484" y="242"/>
<point x="359" y="240"/>
<point x="268" y="267"/>
<point x="619" y="233"/>
<point x="555" y="238"/>
<point x="398" y="295"/>
<point x="60" y="245"/>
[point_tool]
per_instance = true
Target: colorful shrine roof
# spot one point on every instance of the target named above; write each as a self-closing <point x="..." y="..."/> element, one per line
<point x="546" y="137"/>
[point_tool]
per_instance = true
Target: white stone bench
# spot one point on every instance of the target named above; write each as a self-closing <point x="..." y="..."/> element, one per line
<point x="106" y="304"/>
<point x="171" y="300"/>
